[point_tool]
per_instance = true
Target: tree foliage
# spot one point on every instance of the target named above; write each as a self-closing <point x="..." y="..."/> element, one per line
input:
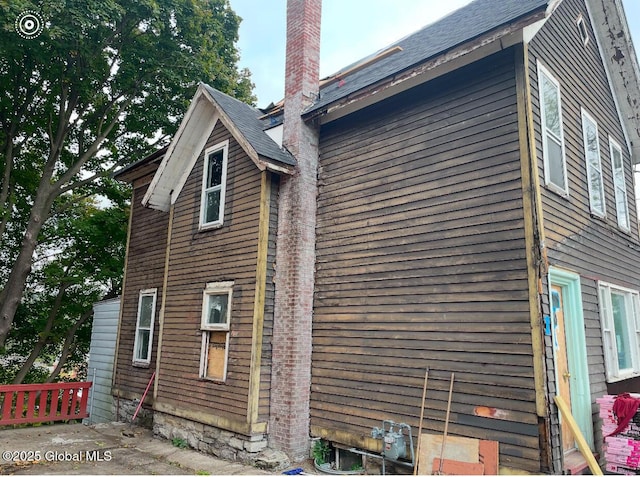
<point x="103" y="84"/>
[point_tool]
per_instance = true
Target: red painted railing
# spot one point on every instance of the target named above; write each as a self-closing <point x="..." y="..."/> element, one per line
<point x="29" y="403"/>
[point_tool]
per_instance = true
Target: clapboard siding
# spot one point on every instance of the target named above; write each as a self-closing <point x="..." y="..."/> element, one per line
<point x="593" y="247"/>
<point x="144" y="270"/>
<point x="421" y="263"/>
<point x="228" y="253"/>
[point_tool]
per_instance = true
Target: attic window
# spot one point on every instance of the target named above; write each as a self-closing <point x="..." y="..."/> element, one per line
<point x="214" y="178"/>
<point x="582" y="28"/>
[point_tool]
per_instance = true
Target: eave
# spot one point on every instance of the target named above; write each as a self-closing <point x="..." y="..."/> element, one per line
<point x="187" y="144"/>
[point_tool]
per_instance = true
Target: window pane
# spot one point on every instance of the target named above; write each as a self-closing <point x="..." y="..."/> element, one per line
<point x="146" y="311"/>
<point x="551" y="104"/>
<point x="617" y="160"/>
<point x="597" y="202"/>
<point x="621" y="331"/>
<point x="556" y="166"/>
<point x="143" y="345"/>
<point x="621" y="208"/>
<point x="594" y="168"/>
<point x="214" y="172"/>
<point x="217" y="309"/>
<point x="212" y="213"/>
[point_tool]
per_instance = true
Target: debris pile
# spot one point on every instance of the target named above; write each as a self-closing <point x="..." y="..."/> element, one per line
<point x="621" y="428"/>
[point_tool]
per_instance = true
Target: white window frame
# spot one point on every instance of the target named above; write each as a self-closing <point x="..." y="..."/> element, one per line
<point x="564" y="190"/>
<point x="215" y="288"/>
<point x="610" y="347"/>
<point x="222" y="187"/>
<point x="152" y="292"/>
<point x="587" y="118"/>
<point x="582" y="29"/>
<point x="619" y="189"/>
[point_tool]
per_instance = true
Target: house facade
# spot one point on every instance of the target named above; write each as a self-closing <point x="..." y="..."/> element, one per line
<point x="462" y="201"/>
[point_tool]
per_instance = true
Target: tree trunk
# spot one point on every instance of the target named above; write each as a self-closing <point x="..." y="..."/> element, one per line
<point x="12" y="293"/>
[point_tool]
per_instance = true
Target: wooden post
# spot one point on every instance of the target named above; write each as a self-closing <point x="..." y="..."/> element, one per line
<point x="580" y="440"/>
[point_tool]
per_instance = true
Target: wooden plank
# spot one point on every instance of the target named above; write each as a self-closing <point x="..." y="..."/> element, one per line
<point x="460" y="449"/>
<point x="583" y="446"/>
<point x="454" y="467"/>
<point x="489" y="456"/>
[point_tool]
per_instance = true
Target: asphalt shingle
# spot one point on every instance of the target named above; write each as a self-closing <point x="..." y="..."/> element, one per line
<point x="465" y="24"/>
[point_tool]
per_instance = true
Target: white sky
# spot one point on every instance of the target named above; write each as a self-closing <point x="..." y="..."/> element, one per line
<point x="351" y="30"/>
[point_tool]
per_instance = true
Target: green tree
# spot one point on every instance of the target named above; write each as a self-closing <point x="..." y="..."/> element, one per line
<point x="81" y="262"/>
<point x="104" y="83"/>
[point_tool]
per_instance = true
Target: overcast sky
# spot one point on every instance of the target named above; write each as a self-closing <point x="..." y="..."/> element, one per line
<point x="351" y="30"/>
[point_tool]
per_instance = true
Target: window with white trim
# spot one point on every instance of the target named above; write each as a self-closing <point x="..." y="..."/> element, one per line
<point x="582" y="29"/>
<point x="144" y="326"/>
<point x="595" y="180"/>
<point x="216" y="315"/>
<point x="620" y="320"/>
<point x="553" y="154"/>
<point x="620" y="184"/>
<point x="214" y="180"/>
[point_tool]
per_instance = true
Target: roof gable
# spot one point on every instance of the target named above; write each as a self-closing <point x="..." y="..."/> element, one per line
<point x="207" y="108"/>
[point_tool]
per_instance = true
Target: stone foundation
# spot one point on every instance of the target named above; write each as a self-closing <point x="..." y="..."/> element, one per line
<point x="126" y="408"/>
<point x="251" y="450"/>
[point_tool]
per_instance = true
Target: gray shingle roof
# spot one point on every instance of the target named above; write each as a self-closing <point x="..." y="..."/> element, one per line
<point x="467" y="23"/>
<point x="246" y="119"/>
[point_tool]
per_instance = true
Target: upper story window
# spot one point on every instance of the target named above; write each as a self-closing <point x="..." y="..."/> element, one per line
<point x="144" y="326"/>
<point x="620" y="320"/>
<point x="582" y="29"/>
<point x="594" y="166"/>
<point x="620" y="185"/>
<point x="555" y="165"/>
<point x="214" y="180"/>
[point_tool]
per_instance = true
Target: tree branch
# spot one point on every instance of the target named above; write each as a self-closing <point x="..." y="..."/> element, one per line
<point x="89" y="153"/>
<point x="69" y="343"/>
<point x="43" y="335"/>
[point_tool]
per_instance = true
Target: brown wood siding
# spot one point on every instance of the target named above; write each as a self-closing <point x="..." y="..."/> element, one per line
<point x="421" y="263"/>
<point x="594" y="248"/>
<point x="145" y="269"/>
<point x="228" y="253"/>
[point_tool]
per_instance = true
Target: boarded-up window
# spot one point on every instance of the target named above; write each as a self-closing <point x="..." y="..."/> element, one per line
<point x="214" y="179"/>
<point x="555" y="167"/>
<point x="216" y="317"/>
<point x="144" y="326"/>
<point x="594" y="165"/>
<point x="620" y="185"/>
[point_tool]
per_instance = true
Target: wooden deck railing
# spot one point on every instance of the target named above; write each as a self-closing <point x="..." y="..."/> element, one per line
<point x="30" y="403"/>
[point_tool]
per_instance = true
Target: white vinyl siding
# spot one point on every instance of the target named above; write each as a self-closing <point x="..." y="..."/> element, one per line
<point x="553" y="149"/>
<point x="620" y="319"/>
<point x="620" y="185"/>
<point x="594" y="164"/>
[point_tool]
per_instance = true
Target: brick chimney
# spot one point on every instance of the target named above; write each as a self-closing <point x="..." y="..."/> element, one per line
<point x="295" y="251"/>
